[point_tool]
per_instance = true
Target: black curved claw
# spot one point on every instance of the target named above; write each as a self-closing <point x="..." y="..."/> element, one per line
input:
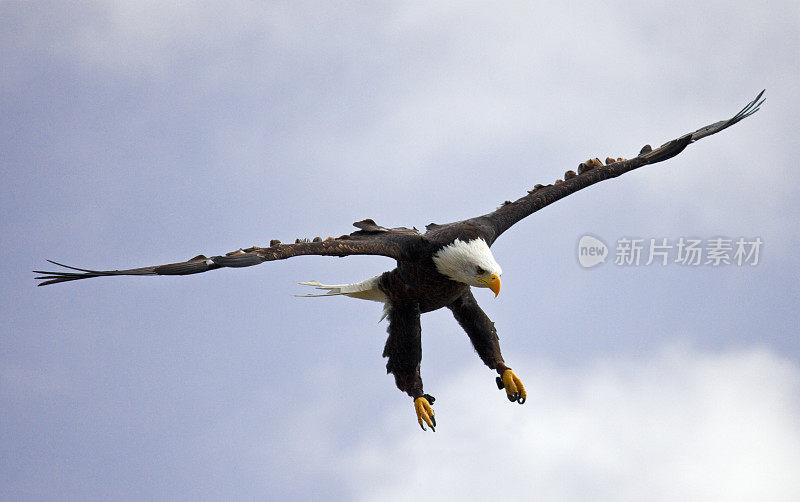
<point x="433" y="427"/>
<point x="500" y="384"/>
<point x="513" y="397"/>
<point x="521" y="400"/>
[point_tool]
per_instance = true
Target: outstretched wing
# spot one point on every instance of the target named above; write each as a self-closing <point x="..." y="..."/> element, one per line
<point x="371" y="239"/>
<point x="589" y="173"/>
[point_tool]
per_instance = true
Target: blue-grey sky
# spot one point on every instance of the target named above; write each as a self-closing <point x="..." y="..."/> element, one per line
<point x="140" y="133"/>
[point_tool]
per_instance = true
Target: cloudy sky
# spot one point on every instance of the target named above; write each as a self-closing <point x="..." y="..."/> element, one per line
<point x="136" y="133"/>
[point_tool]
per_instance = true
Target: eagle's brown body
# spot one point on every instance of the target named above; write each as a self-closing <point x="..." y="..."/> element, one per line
<point x="419" y="282"/>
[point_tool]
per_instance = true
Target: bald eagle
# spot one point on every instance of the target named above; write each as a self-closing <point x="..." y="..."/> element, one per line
<point x="435" y="269"/>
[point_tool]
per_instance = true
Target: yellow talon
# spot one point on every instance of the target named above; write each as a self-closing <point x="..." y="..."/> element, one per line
<point x="424" y="413"/>
<point x="514" y="388"/>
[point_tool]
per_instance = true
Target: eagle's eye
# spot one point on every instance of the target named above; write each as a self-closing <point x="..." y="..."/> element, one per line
<point x="480" y="271"/>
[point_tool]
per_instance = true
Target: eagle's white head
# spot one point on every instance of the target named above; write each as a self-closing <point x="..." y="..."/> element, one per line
<point x="470" y="262"/>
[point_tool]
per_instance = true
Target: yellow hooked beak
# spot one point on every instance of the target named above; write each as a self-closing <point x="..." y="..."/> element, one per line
<point x="492" y="283"/>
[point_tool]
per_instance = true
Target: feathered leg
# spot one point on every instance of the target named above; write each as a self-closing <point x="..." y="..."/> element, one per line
<point x="482" y="333"/>
<point x="404" y="350"/>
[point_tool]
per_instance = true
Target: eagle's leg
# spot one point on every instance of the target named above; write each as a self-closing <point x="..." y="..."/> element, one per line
<point x="482" y="333"/>
<point x="404" y="350"/>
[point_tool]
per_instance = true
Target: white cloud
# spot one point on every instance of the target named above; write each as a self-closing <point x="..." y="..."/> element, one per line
<point x="680" y="425"/>
<point x="425" y="88"/>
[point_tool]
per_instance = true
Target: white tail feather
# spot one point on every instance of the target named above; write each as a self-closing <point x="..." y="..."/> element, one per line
<point x="364" y="290"/>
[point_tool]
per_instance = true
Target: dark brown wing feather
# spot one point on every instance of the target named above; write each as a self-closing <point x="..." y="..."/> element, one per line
<point x="403" y="243"/>
<point x="397" y="243"/>
<point x="497" y="222"/>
